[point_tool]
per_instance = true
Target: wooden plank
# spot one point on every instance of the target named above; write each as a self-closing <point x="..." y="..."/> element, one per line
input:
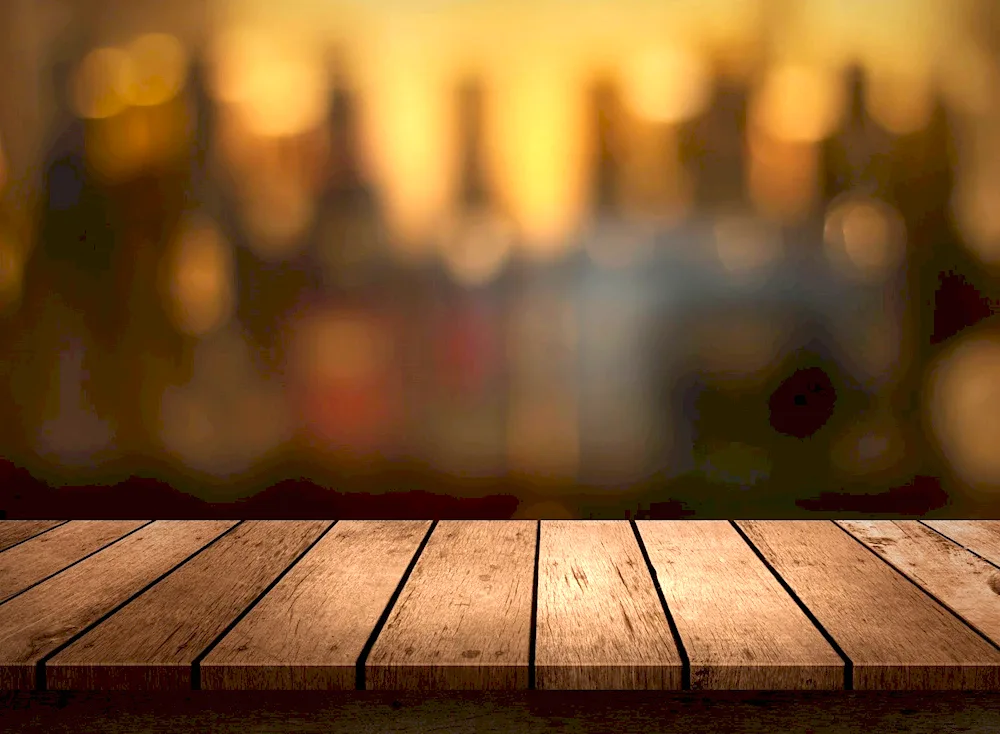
<point x="151" y="643"/>
<point x="310" y="629"/>
<point x="600" y="621"/>
<point x="13" y="532"/>
<point x="463" y="620"/>
<point x="967" y="585"/>
<point x="44" y="555"/>
<point x="982" y="537"/>
<point x="896" y="636"/>
<point x="46" y="616"/>
<point x="741" y="630"/>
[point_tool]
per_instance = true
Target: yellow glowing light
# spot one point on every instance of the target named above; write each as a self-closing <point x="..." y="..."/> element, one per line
<point x="864" y="238"/>
<point x="95" y="85"/>
<point x="477" y="248"/>
<point x="964" y="409"/>
<point x="799" y="104"/>
<point x="668" y="84"/>
<point x="159" y="69"/>
<point x="977" y="210"/>
<point x="745" y="245"/>
<point x="277" y="83"/>
<point x="540" y="155"/>
<point x="201" y="280"/>
<point x="900" y="103"/>
<point x="412" y="151"/>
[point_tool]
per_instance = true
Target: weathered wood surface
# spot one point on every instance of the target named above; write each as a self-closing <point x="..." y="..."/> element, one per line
<point x="44" y="555"/>
<point x="896" y="636"/>
<point x="600" y="622"/>
<point x="153" y="642"/>
<point x="740" y="628"/>
<point x="17" y="531"/>
<point x="414" y="605"/>
<point x="310" y="630"/>
<point x="463" y="620"/>
<point x="36" y="623"/>
<point x="960" y="580"/>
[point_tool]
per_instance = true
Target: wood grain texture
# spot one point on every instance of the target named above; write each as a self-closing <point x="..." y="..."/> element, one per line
<point x="152" y="642"/>
<point x="966" y="584"/>
<point x="310" y="629"/>
<point x="896" y="636"/>
<point x="979" y="536"/>
<point x="740" y="628"/>
<point x="600" y="621"/>
<point x="51" y="552"/>
<point x="463" y="620"/>
<point x="41" y="619"/>
<point x="13" y="532"/>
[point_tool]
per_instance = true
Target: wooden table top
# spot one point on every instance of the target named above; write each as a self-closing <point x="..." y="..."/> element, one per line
<point x="508" y="605"/>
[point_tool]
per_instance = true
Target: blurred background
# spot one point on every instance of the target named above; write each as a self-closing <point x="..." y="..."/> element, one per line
<point x="499" y="258"/>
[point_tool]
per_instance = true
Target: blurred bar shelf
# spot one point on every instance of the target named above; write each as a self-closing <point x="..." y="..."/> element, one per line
<point x="504" y="606"/>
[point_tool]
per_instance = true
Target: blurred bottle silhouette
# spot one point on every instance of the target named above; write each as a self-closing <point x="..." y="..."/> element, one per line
<point x="714" y="147"/>
<point x="616" y="420"/>
<point x="467" y="313"/>
<point x="611" y="241"/>
<point x="71" y="292"/>
<point x="348" y="241"/>
<point x="855" y="158"/>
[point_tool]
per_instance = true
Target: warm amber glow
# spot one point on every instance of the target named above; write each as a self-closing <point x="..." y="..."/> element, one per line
<point x="977" y="210"/>
<point x="159" y="69"/>
<point x="412" y="149"/>
<point x="119" y="146"/>
<point x="277" y="213"/>
<point x="864" y="238"/>
<point x="784" y="177"/>
<point x="900" y="103"/>
<point x="667" y="84"/>
<point x="799" y="103"/>
<point x="277" y="82"/>
<point x="963" y="404"/>
<point x="340" y="347"/>
<point x="476" y="247"/>
<point x="96" y="86"/>
<point x="540" y="137"/>
<point x="201" y="279"/>
<point x="11" y="270"/>
<point x="4" y="166"/>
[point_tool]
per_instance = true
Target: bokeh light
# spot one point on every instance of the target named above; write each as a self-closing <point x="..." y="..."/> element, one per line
<point x="159" y="69"/>
<point x="963" y="406"/>
<point x="865" y="238"/>
<point x="667" y="85"/>
<point x="200" y="279"/>
<point x="98" y="83"/>
<point x="476" y="247"/>
<point x="799" y="104"/>
<point x="276" y="82"/>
